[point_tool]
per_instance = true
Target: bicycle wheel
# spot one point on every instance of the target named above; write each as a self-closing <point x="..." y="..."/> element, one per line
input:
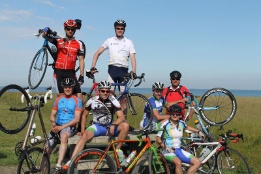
<point x="86" y="160"/>
<point x="135" y="104"/>
<point x="231" y="161"/>
<point x="15" y="113"/>
<point x="217" y="106"/>
<point x="34" y="161"/>
<point x="159" y="165"/>
<point x="38" y="68"/>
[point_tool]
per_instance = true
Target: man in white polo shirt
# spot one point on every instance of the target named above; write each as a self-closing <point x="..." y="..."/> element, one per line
<point x="120" y="50"/>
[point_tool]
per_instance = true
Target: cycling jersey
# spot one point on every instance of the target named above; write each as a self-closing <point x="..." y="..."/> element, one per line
<point x="65" y="108"/>
<point x="172" y="133"/>
<point x="103" y="110"/>
<point x="67" y="53"/>
<point x="119" y="51"/>
<point x="156" y="105"/>
<point x="172" y="95"/>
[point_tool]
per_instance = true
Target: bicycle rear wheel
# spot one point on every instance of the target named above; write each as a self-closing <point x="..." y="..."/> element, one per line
<point x="217" y="106"/>
<point x="38" y="68"/>
<point x="15" y="113"/>
<point x="158" y="165"/>
<point x="34" y="161"/>
<point x="86" y="160"/>
<point x="135" y="104"/>
<point x="232" y="162"/>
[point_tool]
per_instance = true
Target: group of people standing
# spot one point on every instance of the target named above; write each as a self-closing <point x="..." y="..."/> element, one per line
<point x="67" y="110"/>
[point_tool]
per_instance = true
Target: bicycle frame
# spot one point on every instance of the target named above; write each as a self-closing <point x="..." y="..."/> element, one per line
<point x="34" y="109"/>
<point x="148" y="146"/>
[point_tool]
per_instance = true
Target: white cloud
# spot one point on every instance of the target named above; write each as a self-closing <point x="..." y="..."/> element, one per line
<point x="14" y="15"/>
<point x="50" y="3"/>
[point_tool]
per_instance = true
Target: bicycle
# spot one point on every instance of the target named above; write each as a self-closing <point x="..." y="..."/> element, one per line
<point x="48" y="95"/>
<point x="217" y="155"/>
<point x="31" y="159"/>
<point x="40" y="61"/>
<point x="218" y="104"/>
<point x="94" y="160"/>
<point x="135" y="101"/>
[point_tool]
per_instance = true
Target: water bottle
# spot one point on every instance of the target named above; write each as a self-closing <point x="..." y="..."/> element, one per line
<point x="204" y="153"/>
<point x="130" y="157"/>
<point x="36" y="139"/>
<point x="198" y="125"/>
<point x="33" y="130"/>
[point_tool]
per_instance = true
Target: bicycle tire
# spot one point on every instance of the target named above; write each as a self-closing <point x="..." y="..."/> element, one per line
<point x="217" y="106"/>
<point x="13" y="121"/>
<point x="85" y="161"/>
<point x="38" y="68"/>
<point x="135" y="112"/>
<point x="239" y="163"/>
<point x="155" y="166"/>
<point x="32" y="162"/>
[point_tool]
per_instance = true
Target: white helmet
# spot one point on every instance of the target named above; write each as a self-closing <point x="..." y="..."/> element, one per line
<point x="104" y="84"/>
<point x="158" y="85"/>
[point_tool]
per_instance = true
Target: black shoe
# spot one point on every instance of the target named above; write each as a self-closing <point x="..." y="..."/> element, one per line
<point x="131" y="128"/>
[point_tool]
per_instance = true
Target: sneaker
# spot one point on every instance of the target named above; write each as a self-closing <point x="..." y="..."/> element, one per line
<point x="121" y="156"/>
<point x="131" y="128"/>
<point x="58" y="169"/>
<point x="66" y="166"/>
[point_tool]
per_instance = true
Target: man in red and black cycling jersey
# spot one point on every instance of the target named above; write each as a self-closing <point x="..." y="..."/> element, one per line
<point x="68" y="51"/>
<point x="177" y="93"/>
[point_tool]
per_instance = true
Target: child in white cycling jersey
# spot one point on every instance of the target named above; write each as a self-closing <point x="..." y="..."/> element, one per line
<point x="170" y="140"/>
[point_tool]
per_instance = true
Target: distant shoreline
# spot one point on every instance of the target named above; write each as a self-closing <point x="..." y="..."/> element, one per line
<point x="197" y="92"/>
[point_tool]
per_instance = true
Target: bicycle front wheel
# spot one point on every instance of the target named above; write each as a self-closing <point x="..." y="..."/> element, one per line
<point x="38" y="68"/>
<point x="231" y="161"/>
<point x="136" y="104"/>
<point x="15" y="113"/>
<point x="34" y="161"/>
<point x="217" y="106"/>
<point x="86" y="160"/>
<point x="158" y="164"/>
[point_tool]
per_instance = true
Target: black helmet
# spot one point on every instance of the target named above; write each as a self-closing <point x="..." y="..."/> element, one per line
<point x="120" y="22"/>
<point x="158" y="85"/>
<point x="175" y="109"/>
<point x="68" y="82"/>
<point x="175" y="74"/>
<point x="104" y="84"/>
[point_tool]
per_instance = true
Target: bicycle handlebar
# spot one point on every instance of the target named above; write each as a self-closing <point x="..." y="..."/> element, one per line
<point x="146" y="132"/>
<point x="232" y="136"/>
<point x="50" y="33"/>
<point x="140" y="78"/>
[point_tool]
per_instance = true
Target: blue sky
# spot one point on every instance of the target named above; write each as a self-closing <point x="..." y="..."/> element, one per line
<point x="213" y="43"/>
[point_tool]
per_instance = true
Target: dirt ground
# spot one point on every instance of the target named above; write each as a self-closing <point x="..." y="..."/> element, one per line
<point x="8" y="169"/>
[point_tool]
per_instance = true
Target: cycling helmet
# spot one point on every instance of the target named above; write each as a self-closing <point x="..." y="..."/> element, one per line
<point x="175" y="109"/>
<point x="68" y="82"/>
<point x="104" y="84"/>
<point x="158" y="85"/>
<point x="175" y="74"/>
<point x="70" y="23"/>
<point x="120" y="22"/>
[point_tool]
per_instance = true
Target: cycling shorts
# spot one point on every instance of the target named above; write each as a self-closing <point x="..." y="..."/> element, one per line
<point x="57" y="137"/>
<point x="101" y="130"/>
<point x="115" y="75"/>
<point x="183" y="155"/>
<point x="60" y="74"/>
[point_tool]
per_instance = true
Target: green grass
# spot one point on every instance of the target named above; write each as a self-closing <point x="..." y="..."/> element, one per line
<point x="246" y="121"/>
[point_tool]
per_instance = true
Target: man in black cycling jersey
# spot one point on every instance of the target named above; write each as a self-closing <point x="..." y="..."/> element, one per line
<point x="103" y="106"/>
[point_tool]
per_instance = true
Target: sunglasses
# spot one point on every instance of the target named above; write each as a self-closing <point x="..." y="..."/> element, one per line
<point x="119" y="28"/>
<point x="105" y="91"/>
<point x="175" y="79"/>
<point x="177" y="115"/>
<point x="70" y="29"/>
